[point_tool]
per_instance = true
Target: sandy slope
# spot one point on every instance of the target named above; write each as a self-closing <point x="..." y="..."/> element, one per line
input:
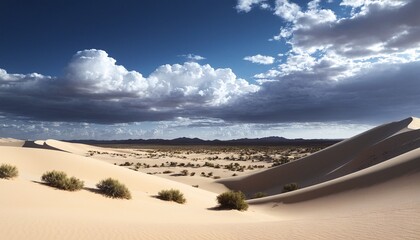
<point x="28" y="202"/>
<point x="363" y="188"/>
<point x="11" y="142"/>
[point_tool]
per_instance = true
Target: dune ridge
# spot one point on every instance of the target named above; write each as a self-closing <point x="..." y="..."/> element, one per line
<point x="362" y="151"/>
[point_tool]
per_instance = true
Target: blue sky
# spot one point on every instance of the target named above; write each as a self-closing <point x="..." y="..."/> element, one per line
<point x="140" y="35"/>
<point x="204" y="68"/>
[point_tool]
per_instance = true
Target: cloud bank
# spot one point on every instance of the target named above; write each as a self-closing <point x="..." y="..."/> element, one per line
<point x="95" y="89"/>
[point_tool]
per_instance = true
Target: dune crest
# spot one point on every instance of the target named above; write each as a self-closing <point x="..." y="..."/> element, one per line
<point x="349" y="156"/>
<point x="414" y="124"/>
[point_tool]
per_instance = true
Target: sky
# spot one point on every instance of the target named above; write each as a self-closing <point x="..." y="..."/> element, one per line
<point x="213" y="69"/>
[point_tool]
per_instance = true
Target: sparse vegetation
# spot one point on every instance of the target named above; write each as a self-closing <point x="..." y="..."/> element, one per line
<point x="60" y="180"/>
<point x="113" y="188"/>
<point x="290" y="187"/>
<point x="259" y="195"/>
<point x="172" y="195"/>
<point x="186" y="160"/>
<point x="184" y="172"/>
<point x="233" y="200"/>
<point x="8" y="171"/>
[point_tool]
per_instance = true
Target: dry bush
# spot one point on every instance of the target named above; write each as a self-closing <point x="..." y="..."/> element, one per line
<point x="8" y="171"/>
<point x="60" y="180"/>
<point x="172" y="195"/>
<point x="290" y="187"/>
<point x="233" y="200"/>
<point x="113" y="188"/>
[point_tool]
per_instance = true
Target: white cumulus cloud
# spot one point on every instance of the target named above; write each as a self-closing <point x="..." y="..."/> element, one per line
<point x="193" y="57"/>
<point x="246" y="5"/>
<point x="94" y="72"/>
<point x="287" y="10"/>
<point x="260" y="59"/>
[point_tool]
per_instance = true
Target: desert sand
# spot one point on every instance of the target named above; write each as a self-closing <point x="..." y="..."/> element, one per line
<point x="365" y="187"/>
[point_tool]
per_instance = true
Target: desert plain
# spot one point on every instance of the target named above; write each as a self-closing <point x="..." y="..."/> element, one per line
<point x="364" y="187"/>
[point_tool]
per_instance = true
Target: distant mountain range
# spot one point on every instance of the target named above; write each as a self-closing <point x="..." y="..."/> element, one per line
<point x="198" y="141"/>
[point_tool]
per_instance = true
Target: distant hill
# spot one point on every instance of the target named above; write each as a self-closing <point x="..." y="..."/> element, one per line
<point x="268" y="141"/>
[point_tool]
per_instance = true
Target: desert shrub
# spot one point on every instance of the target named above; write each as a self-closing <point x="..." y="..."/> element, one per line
<point x="167" y="172"/>
<point x="8" y="171"/>
<point x="232" y="200"/>
<point x="259" y="195"/>
<point x="113" y="188"/>
<point x="172" y="195"/>
<point x="74" y="184"/>
<point x="192" y="174"/>
<point x="60" y="180"/>
<point x="184" y="172"/>
<point x="216" y="177"/>
<point x="290" y="187"/>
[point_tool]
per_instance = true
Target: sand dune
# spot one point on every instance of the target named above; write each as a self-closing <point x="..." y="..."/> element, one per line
<point x="363" y="188"/>
<point x="362" y="151"/>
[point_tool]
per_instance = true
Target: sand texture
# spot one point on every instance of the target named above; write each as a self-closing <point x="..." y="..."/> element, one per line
<point x="365" y="187"/>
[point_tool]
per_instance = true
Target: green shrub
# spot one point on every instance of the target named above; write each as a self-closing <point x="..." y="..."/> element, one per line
<point x="60" y="180"/>
<point x="172" y="195"/>
<point x="259" y="195"/>
<point x="232" y="200"/>
<point x="290" y="187"/>
<point x="113" y="188"/>
<point x="8" y="171"/>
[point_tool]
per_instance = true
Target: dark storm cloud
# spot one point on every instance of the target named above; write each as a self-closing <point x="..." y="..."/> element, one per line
<point x="362" y="68"/>
<point x="373" y="95"/>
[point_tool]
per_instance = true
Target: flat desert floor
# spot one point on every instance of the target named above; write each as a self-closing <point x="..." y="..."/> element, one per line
<point x="365" y="187"/>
